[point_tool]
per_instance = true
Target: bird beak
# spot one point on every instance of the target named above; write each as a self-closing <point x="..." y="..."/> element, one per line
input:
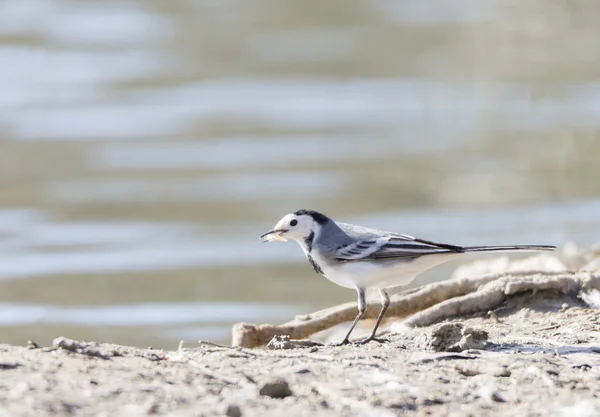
<point x="274" y="235"/>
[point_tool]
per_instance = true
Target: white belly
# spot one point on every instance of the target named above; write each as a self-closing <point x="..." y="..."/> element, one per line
<point x="381" y="274"/>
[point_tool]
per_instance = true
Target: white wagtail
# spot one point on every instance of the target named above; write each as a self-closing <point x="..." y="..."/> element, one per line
<point x="363" y="258"/>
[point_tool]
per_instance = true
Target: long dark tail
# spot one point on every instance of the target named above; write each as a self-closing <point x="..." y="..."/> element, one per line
<point x="516" y="248"/>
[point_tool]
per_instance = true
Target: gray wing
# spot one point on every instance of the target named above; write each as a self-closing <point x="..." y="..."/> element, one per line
<point x="370" y="244"/>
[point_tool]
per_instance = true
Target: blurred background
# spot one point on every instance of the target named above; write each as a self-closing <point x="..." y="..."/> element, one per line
<point x="146" y="144"/>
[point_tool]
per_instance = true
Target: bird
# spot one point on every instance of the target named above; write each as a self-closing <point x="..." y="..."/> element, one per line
<point x="363" y="259"/>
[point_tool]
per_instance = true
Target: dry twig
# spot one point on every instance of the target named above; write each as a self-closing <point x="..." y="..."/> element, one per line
<point x="428" y="304"/>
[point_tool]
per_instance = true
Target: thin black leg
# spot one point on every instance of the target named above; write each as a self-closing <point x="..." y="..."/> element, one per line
<point x="362" y="307"/>
<point x="385" y="303"/>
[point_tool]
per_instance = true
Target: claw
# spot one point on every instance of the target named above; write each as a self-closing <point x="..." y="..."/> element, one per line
<point x="342" y="343"/>
<point x="369" y="339"/>
<point x="358" y="342"/>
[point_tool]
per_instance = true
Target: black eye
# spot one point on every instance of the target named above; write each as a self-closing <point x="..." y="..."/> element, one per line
<point x="294" y="222"/>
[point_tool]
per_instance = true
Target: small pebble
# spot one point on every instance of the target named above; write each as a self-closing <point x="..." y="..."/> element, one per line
<point x="32" y="345"/>
<point x="275" y="388"/>
<point x="502" y="372"/>
<point x="497" y="397"/>
<point x="467" y="371"/>
<point x="233" y="411"/>
<point x="9" y="365"/>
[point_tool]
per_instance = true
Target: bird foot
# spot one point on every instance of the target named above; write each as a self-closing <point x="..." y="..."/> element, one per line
<point x="342" y="343"/>
<point x="369" y="339"/>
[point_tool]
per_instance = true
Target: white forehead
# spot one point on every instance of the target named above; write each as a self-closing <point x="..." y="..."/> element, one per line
<point x="285" y="219"/>
<point x="288" y="217"/>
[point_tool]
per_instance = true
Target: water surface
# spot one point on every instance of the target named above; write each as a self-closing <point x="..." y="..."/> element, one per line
<point x="145" y="146"/>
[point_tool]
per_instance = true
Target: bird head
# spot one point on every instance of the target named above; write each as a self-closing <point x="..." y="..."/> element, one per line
<point x="298" y="225"/>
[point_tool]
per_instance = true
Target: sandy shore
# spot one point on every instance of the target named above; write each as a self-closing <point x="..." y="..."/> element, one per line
<point x="536" y="352"/>
<point x="539" y="355"/>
